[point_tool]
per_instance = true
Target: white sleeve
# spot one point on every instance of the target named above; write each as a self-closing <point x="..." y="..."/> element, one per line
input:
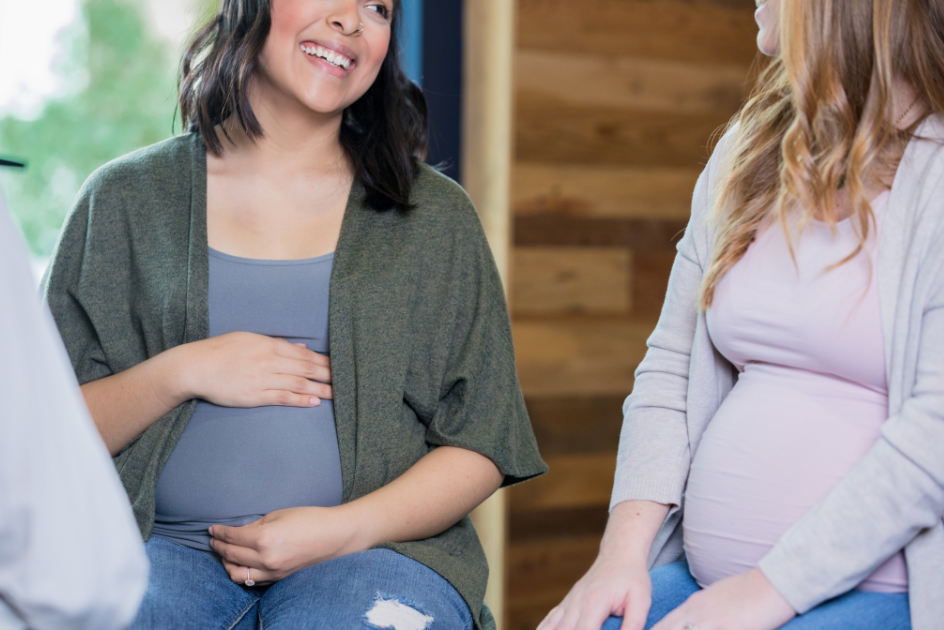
<point x="71" y="556"/>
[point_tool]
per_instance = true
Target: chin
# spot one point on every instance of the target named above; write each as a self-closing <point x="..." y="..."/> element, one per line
<point x="768" y="45"/>
<point x="321" y="105"/>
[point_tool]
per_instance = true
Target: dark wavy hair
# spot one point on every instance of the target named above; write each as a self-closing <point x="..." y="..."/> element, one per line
<point x="385" y="133"/>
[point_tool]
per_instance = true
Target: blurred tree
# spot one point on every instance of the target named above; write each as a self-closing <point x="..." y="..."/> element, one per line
<point x="123" y="97"/>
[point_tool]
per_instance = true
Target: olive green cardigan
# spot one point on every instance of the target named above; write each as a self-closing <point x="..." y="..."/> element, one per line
<point x="420" y="340"/>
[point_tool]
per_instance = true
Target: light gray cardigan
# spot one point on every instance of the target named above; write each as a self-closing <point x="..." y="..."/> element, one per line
<point x="894" y="497"/>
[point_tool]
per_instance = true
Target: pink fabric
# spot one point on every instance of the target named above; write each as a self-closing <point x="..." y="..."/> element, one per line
<point x="809" y="402"/>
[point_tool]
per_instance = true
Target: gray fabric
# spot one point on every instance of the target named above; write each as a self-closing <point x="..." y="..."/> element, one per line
<point x="233" y="466"/>
<point x="894" y="498"/>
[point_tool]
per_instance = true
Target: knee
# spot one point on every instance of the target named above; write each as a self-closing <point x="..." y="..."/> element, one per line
<point x="396" y="614"/>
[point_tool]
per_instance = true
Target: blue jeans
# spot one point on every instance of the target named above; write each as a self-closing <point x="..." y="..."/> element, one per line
<point x="672" y="584"/>
<point x="189" y="589"/>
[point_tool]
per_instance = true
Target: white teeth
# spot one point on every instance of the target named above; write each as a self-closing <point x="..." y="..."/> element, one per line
<point x="335" y="59"/>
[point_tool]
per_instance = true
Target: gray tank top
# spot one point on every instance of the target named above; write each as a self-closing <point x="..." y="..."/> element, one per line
<point x="232" y="466"/>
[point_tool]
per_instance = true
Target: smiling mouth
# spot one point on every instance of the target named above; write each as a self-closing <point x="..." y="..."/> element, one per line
<point x="333" y="57"/>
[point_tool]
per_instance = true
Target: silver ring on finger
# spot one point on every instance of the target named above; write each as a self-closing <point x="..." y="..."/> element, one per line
<point x="249" y="581"/>
<point x="691" y="626"/>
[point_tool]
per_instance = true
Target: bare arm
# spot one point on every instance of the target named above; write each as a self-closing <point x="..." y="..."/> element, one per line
<point x="427" y="499"/>
<point x="235" y="370"/>
<point x="126" y="404"/>
<point x="618" y="582"/>
<point x="434" y="494"/>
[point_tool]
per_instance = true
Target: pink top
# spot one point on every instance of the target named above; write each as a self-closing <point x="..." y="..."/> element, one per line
<point x="809" y="402"/>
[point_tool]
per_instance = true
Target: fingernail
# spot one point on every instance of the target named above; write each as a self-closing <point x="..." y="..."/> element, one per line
<point x="315" y="402"/>
<point x="210" y="529"/>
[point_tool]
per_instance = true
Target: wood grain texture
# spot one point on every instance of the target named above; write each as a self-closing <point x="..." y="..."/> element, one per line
<point x="549" y="132"/>
<point x="651" y="271"/>
<point x="602" y="191"/>
<point x="571" y="280"/>
<point x="579" y="424"/>
<point x="698" y="32"/>
<point x="574" y="481"/>
<point x="639" y="235"/>
<point x="585" y="356"/>
<point x="542" y="524"/>
<point x="629" y="82"/>
<point x="541" y="573"/>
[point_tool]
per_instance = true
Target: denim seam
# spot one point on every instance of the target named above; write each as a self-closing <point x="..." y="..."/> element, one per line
<point x="243" y="614"/>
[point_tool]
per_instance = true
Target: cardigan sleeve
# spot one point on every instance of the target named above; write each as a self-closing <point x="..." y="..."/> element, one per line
<point x="480" y="405"/>
<point x="67" y="288"/>
<point x="654" y="451"/>
<point x="891" y="496"/>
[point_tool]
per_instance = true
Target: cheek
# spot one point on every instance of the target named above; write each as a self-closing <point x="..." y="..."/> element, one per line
<point x="287" y="18"/>
<point x="378" y="45"/>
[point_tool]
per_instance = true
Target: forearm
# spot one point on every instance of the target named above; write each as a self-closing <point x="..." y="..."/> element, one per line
<point x="123" y="406"/>
<point x="631" y="530"/>
<point x="434" y="494"/>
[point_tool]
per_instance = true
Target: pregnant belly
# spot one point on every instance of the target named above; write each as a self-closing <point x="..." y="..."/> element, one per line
<point x="777" y="446"/>
<point x="232" y="466"/>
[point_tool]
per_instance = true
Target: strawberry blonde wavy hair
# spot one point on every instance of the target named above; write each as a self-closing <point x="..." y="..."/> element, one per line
<point x="822" y="117"/>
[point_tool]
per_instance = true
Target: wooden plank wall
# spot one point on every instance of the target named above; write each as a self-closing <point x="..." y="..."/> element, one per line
<point x="616" y="103"/>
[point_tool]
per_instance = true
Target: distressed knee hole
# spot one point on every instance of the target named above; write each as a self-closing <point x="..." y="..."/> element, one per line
<point x="392" y="614"/>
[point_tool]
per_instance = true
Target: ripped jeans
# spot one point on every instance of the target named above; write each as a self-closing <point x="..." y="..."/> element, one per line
<point x="372" y="589"/>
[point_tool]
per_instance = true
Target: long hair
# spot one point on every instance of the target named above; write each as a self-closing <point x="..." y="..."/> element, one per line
<point x="822" y="118"/>
<point x="385" y="134"/>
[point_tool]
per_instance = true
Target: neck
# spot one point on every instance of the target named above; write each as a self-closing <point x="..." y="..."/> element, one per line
<point x="295" y="140"/>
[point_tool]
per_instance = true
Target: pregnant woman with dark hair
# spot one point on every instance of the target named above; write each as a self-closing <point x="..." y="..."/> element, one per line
<point x="780" y="464"/>
<point x="201" y="286"/>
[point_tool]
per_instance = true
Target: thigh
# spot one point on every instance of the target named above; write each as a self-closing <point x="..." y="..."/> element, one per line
<point x="188" y="589"/>
<point x="672" y="584"/>
<point x="378" y="588"/>
<point x="857" y="610"/>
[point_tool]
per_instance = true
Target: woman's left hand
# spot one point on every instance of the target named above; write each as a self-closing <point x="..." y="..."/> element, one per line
<point x="283" y="542"/>
<point x="743" y="602"/>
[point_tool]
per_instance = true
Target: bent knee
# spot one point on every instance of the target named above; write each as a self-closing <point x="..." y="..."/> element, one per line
<point x="395" y="614"/>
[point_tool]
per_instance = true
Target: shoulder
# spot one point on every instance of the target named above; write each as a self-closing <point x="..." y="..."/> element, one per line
<point x="918" y="187"/>
<point x="147" y="189"/>
<point x="722" y="152"/>
<point x="442" y="208"/>
<point x="437" y="196"/>
<point x="153" y="170"/>
<point x="923" y="162"/>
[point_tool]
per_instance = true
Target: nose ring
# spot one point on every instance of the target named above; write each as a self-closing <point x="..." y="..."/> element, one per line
<point x="360" y="30"/>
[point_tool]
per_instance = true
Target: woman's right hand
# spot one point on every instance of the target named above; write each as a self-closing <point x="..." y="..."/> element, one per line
<point x="609" y="588"/>
<point x="243" y="369"/>
<point x="618" y="583"/>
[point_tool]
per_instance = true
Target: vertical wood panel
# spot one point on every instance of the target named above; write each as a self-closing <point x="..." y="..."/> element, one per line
<point x="486" y="158"/>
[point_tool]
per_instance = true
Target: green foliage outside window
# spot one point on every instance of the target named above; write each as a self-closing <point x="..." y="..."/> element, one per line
<point x="125" y="98"/>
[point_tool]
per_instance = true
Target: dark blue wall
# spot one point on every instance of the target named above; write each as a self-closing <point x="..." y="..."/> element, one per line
<point x="442" y="82"/>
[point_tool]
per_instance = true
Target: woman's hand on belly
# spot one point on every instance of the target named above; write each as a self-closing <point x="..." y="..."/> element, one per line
<point x="234" y="370"/>
<point x="747" y="601"/>
<point x="283" y="542"/>
<point x="430" y="497"/>
<point x="244" y="369"/>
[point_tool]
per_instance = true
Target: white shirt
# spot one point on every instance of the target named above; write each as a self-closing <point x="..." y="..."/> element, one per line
<point x="71" y="556"/>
